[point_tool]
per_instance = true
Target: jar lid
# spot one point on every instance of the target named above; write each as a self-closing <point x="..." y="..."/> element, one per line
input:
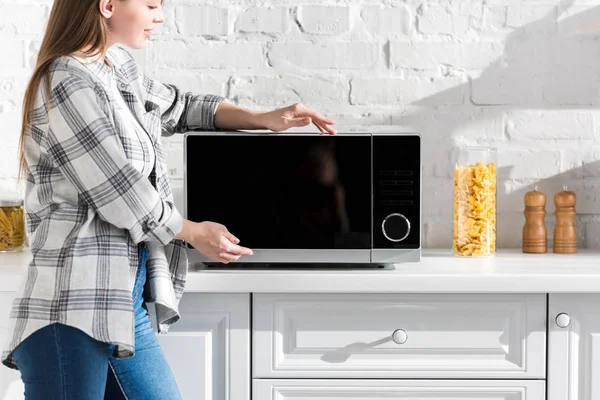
<point x="11" y="203"/>
<point x="477" y="148"/>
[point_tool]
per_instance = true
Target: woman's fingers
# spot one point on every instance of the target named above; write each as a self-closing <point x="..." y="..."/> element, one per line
<point x="231" y="237"/>
<point x="228" y="250"/>
<point x="319" y="127"/>
<point x="323" y="123"/>
<point x="297" y="122"/>
<point x="318" y="119"/>
<point x="228" y="257"/>
<point x="228" y="246"/>
<point x="234" y="253"/>
<point x="321" y="119"/>
<point x="239" y="250"/>
<point x="315" y="115"/>
<point x="325" y="128"/>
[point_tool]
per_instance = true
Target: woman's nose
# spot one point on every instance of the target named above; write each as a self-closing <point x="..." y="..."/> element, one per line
<point x="160" y="18"/>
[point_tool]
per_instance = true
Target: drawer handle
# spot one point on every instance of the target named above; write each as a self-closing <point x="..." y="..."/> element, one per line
<point x="399" y="336"/>
<point x="563" y="320"/>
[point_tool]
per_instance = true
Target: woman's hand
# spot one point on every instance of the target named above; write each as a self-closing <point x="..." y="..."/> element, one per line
<point x="296" y="115"/>
<point x="213" y="240"/>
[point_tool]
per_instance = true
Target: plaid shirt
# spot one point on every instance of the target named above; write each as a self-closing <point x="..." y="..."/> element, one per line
<point x="88" y="209"/>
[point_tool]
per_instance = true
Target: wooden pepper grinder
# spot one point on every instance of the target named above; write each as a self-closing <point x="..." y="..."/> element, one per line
<point x="535" y="235"/>
<point x="565" y="232"/>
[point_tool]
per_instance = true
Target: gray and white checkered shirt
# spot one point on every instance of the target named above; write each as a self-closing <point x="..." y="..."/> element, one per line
<point x="88" y="209"/>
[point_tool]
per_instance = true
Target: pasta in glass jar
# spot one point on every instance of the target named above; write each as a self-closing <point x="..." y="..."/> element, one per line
<point x="475" y="202"/>
<point x="12" y="225"/>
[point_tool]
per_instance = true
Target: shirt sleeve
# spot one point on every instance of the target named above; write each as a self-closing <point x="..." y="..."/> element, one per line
<point x="181" y="111"/>
<point x="88" y="151"/>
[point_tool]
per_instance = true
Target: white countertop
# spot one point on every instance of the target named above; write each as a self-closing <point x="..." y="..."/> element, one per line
<point x="508" y="271"/>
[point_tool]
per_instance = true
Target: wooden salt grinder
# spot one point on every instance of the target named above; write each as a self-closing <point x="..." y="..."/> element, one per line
<point x="535" y="235"/>
<point x="565" y="232"/>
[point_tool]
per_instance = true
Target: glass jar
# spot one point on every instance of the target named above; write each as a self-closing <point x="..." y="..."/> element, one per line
<point x="12" y="225"/>
<point x="474" y="201"/>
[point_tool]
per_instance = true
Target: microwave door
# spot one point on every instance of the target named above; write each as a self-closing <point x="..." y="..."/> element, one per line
<point x="288" y="197"/>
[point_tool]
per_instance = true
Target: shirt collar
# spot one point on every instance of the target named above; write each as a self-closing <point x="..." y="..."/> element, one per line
<point x="98" y="67"/>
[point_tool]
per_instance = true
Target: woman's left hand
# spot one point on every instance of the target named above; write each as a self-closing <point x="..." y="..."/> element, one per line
<point x="297" y="115"/>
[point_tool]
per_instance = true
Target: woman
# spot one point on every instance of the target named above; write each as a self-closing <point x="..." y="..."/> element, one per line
<point x="104" y="233"/>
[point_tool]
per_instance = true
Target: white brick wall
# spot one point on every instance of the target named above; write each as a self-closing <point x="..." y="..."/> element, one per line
<point x="521" y="75"/>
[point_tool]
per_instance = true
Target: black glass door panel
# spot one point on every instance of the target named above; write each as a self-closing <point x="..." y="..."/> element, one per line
<point x="283" y="191"/>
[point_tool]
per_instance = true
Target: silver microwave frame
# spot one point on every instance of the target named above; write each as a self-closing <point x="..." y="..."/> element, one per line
<point x="310" y="256"/>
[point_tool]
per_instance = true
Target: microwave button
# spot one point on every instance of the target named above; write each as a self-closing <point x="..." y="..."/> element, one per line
<point x="395" y="227"/>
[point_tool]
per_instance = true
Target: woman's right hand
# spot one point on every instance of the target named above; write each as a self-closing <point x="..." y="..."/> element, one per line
<point x="213" y="240"/>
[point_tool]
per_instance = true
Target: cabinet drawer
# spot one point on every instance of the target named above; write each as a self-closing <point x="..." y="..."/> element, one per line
<point x="399" y="336"/>
<point x="289" y="389"/>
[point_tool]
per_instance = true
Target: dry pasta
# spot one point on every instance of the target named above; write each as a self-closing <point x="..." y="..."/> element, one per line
<point x="475" y="209"/>
<point x="12" y="228"/>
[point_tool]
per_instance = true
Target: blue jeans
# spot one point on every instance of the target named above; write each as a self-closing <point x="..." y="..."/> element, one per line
<point x="60" y="362"/>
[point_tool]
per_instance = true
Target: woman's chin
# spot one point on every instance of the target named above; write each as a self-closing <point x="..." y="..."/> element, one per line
<point x="138" y="43"/>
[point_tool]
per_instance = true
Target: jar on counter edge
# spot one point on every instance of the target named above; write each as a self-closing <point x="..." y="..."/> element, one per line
<point x="12" y="225"/>
<point x="474" y="230"/>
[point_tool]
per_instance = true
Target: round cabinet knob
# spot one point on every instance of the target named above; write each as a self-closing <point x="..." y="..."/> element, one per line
<point x="395" y="227"/>
<point x="563" y="320"/>
<point x="399" y="336"/>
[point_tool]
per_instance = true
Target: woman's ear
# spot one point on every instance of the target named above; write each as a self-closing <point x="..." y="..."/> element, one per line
<point x="106" y="8"/>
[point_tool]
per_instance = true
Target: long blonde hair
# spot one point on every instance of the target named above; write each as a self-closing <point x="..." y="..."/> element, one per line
<point x="73" y="25"/>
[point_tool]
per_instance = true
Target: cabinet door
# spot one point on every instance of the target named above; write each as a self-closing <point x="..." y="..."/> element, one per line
<point x="574" y="347"/>
<point x="413" y="336"/>
<point x="290" y="389"/>
<point x="11" y="386"/>
<point x="208" y="349"/>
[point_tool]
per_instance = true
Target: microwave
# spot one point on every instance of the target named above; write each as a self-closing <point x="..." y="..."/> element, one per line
<point x="306" y="198"/>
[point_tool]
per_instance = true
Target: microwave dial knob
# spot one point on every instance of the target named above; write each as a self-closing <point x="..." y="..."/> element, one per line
<point x="395" y="227"/>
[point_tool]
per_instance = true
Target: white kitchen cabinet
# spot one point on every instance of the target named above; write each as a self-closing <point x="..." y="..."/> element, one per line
<point x="11" y="386"/>
<point x="208" y="349"/>
<point x="439" y="336"/>
<point x="290" y="389"/>
<point x="574" y="347"/>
